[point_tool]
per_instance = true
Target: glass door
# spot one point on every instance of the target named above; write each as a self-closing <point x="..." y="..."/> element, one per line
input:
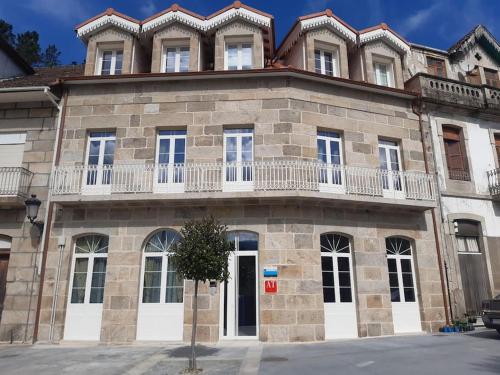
<point x="238" y="159"/>
<point x="390" y="165"/>
<point x="239" y="295"/>
<point x="170" y="159"/>
<point x="330" y="158"/>
<point x="99" y="162"/>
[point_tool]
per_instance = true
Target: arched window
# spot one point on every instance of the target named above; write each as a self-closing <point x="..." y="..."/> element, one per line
<point x="89" y="269"/>
<point x="161" y="282"/>
<point x="5" y="244"/>
<point x="336" y="267"/>
<point x="400" y="266"/>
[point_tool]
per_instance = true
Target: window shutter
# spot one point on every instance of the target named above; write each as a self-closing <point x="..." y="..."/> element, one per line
<point x="497" y="146"/>
<point x="455" y="153"/>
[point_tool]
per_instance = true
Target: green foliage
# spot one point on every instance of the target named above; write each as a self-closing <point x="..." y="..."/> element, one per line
<point x="6" y="32"/>
<point x="28" y="46"/>
<point x="51" y="56"/>
<point x="203" y="251"/>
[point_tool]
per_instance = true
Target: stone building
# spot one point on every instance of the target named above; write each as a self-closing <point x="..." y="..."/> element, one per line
<point x="318" y="154"/>
<point x="29" y="110"/>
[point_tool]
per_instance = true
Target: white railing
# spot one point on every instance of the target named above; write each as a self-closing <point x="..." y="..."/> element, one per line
<point x="278" y="175"/>
<point x="494" y="181"/>
<point x="14" y="181"/>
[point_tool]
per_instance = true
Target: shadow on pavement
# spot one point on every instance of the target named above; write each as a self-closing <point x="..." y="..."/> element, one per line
<point x="185" y="351"/>
<point x="486" y="334"/>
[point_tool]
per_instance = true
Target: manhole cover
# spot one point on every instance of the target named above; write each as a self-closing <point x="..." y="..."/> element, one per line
<point x="274" y="359"/>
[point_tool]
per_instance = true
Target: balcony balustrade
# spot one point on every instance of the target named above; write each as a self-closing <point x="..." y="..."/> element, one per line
<point x="444" y="90"/>
<point x="14" y="182"/>
<point x="494" y="182"/>
<point x="282" y="175"/>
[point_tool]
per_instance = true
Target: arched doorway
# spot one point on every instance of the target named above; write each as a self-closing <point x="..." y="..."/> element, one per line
<point x="338" y="290"/>
<point x="161" y="308"/>
<point x="240" y="294"/>
<point x="5" y="245"/>
<point x="86" y="289"/>
<point x="405" y="309"/>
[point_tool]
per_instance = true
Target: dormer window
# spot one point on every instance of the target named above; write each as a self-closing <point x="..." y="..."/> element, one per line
<point x="238" y="56"/>
<point x="383" y="73"/>
<point x="110" y="62"/>
<point x="325" y="62"/>
<point x="175" y="59"/>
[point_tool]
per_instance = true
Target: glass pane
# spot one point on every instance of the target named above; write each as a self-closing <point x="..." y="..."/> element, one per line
<point x="407" y="280"/>
<point x="180" y="146"/>
<point x="328" y="63"/>
<point x="406" y="265"/>
<point x="322" y="150"/>
<point x="78" y="295"/>
<point x="247" y="296"/>
<point x="328" y="295"/>
<point x="184" y="59"/>
<point x="151" y="295"/>
<point x="153" y="264"/>
<point x="326" y="264"/>
<point x="328" y="278"/>
<point x="344" y="279"/>
<point x="394" y="160"/>
<point x="317" y="61"/>
<point x="231" y="144"/>
<point x="343" y="263"/>
<point x="382" y="158"/>
<point x="393" y="280"/>
<point x="119" y="62"/>
<point x="246" y="55"/>
<point x="232" y="57"/>
<point x="170" y="60"/>
<point x="395" y="295"/>
<point x="79" y="279"/>
<point x="94" y="148"/>
<point x="106" y="62"/>
<point x="173" y="295"/>
<point x="345" y="295"/>
<point x="99" y="269"/>
<point x="391" y="263"/>
<point x="96" y="295"/>
<point x="109" y="151"/>
<point x="81" y="265"/>
<point x="248" y="241"/>
<point x="335" y="151"/>
<point x="161" y="241"/>
<point x="164" y="152"/>
<point x="409" y="295"/>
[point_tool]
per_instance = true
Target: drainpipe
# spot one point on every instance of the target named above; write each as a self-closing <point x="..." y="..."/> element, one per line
<point x="417" y="109"/>
<point x="61" y="244"/>
<point x="50" y="210"/>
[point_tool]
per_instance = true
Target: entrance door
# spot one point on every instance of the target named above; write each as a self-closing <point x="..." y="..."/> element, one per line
<point x="5" y="244"/>
<point x="239" y="295"/>
<point x="161" y="307"/>
<point x="84" y="311"/>
<point x="338" y="296"/>
<point x="390" y="164"/>
<point x="405" y="309"/>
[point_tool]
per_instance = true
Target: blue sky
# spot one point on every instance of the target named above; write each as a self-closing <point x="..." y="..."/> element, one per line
<point x="437" y="23"/>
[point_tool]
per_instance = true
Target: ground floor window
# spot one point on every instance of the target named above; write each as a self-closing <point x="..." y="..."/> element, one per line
<point x="400" y="267"/>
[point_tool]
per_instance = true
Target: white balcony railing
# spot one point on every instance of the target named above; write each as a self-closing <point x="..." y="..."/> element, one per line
<point x="14" y="181"/>
<point x="494" y="182"/>
<point x="282" y="175"/>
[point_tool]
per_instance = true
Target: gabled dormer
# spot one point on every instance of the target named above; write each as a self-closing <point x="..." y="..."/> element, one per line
<point x="319" y="43"/>
<point x="383" y="53"/>
<point x="242" y="37"/>
<point x="176" y="35"/>
<point x="112" y="44"/>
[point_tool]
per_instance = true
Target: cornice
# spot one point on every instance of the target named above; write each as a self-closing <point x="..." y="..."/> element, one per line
<point x="386" y="35"/>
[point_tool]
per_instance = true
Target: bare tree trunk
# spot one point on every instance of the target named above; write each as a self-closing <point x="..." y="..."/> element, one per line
<point x="192" y="361"/>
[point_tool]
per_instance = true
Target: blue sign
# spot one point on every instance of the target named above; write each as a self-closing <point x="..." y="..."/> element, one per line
<point x="270" y="271"/>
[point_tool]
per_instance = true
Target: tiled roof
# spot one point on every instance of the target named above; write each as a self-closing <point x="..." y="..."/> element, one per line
<point x="43" y="76"/>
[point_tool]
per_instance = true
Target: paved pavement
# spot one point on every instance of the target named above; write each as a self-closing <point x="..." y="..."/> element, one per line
<point x="458" y="354"/>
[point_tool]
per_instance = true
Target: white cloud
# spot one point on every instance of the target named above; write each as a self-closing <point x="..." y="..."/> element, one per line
<point x="148" y="8"/>
<point x="419" y="19"/>
<point x="67" y="11"/>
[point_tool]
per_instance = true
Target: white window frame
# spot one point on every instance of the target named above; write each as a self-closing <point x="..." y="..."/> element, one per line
<point x="392" y="191"/>
<point x="239" y="46"/>
<point x="88" y="282"/>
<point x="335" y="61"/>
<point x="177" y="64"/>
<point x="239" y="184"/>
<point x="331" y="185"/>
<point x="389" y="69"/>
<point x="113" y="51"/>
<point x="171" y="169"/>
<point x="98" y="187"/>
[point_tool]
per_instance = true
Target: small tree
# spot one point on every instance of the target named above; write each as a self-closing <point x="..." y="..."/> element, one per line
<point x="6" y="32"/>
<point x="201" y="255"/>
<point x="28" y="46"/>
<point x="50" y="57"/>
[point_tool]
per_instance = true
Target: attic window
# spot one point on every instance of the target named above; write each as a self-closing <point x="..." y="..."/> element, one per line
<point x="436" y="67"/>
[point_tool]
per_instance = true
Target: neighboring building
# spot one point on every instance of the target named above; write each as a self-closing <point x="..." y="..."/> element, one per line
<point x="460" y="89"/>
<point x="317" y="174"/>
<point x="28" y="119"/>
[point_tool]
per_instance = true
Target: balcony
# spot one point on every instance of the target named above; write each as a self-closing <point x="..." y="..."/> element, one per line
<point x="259" y="179"/>
<point x="14" y="185"/>
<point x="494" y="182"/>
<point x="448" y="91"/>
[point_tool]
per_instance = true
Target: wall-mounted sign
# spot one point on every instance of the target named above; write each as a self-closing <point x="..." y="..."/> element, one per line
<point x="271" y="286"/>
<point x="270" y="271"/>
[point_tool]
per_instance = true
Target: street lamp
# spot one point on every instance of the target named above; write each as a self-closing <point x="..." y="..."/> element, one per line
<point x="32" y="207"/>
